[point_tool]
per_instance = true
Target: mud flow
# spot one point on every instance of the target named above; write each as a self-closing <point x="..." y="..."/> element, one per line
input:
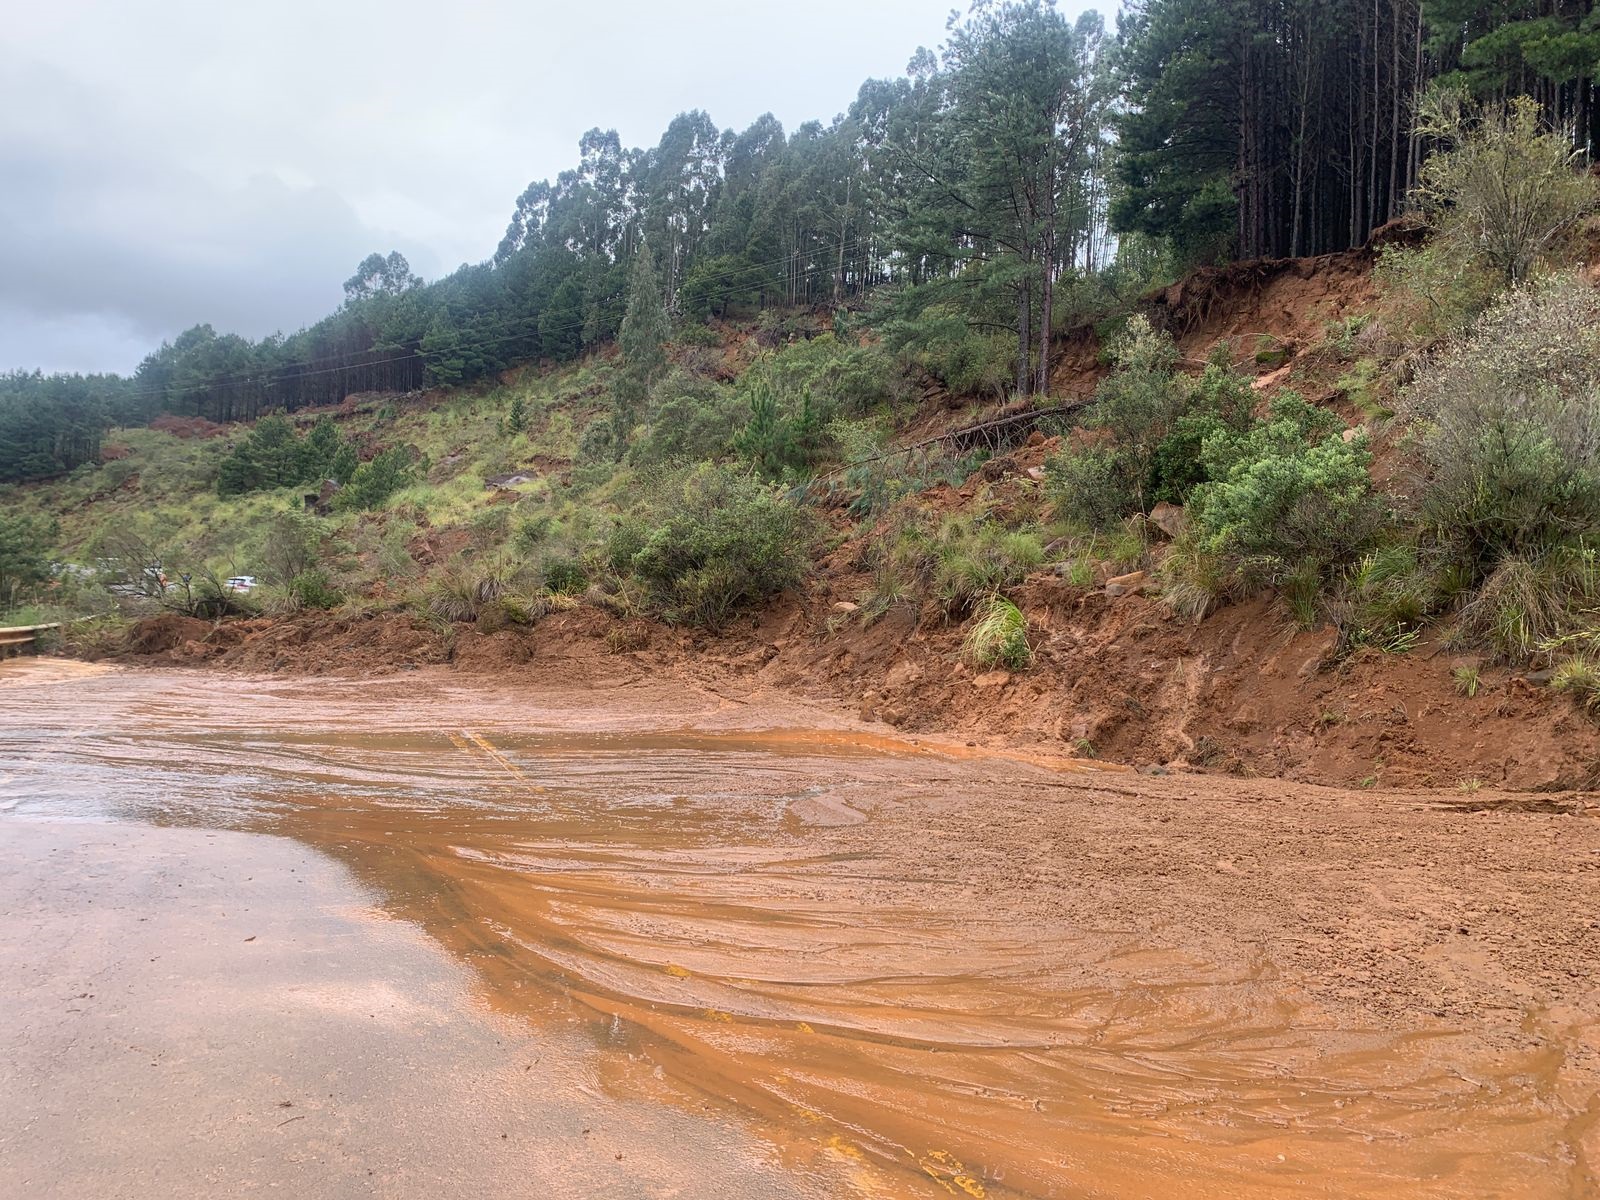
<point x="894" y="960"/>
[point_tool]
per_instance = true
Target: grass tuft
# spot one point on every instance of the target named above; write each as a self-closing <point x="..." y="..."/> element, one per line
<point x="999" y="636"/>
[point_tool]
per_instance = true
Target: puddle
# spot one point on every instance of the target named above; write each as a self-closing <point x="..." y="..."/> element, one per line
<point x="733" y="918"/>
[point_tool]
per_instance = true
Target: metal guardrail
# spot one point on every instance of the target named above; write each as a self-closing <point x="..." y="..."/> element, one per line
<point x="17" y="636"/>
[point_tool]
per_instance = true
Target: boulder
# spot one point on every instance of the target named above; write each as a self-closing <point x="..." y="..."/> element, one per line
<point x="1168" y="518"/>
<point x="1129" y="584"/>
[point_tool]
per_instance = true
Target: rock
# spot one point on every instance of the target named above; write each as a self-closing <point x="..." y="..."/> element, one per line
<point x="991" y="679"/>
<point x="1124" y="585"/>
<point x="1274" y="356"/>
<point x="509" y="480"/>
<point x="1168" y="518"/>
<point x="1270" y="380"/>
<point x="1351" y="434"/>
<point x="902" y="674"/>
<point x="845" y="606"/>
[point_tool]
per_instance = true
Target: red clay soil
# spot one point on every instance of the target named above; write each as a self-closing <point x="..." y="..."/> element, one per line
<point x="1124" y="679"/>
<point x="1244" y="692"/>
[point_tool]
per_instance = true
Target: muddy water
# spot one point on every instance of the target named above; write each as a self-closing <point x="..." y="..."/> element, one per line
<point x="753" y="921"/>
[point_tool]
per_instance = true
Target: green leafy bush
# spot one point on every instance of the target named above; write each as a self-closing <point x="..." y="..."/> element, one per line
<point x="1148" y="428"/>
<point x="710" y="540"/>
<point x="942" y="340"/>
<point x="24" y="556"/>
<point x="1286" y="491"/>
<point x="564" y="575"/>
<point x="1506" y="422"/>
<point x="691" y="420"/>
<point x="312" y="589"/>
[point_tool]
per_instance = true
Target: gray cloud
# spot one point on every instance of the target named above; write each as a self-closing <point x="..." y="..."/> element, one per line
<point x="163" y="164"/>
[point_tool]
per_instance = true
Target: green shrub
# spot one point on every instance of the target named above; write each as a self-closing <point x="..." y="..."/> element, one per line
<point x="962" y="559"/>
<point x="1526" y="604"/>
<point x="24" y="553"/>
<point x="999" y="636"/>
<point x="564" y="575"/>
<point x="599" y="442"/>
<point x="1150" y="426"/>
<point x="1089" y="486"/>
<point x="1194" y="580"/>
<point x="1502" y="187"/>
<point x="940" y="340"/>
<point x="1287" y="491"/>
<point x="691" y="420"/>
<point x="488" y="527"/>
<point x="374" y="482"/>
<point x="1390" y="594"/>
<point x="713" y="540"/>
<point x="461" y="593"/>
<point x="311" y="589"/>
<point x="1507" y="425"/>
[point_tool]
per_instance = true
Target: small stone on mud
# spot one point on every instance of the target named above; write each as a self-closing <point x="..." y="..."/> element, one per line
<point x="1123" y="585"/>
<point x="991" y="679"/>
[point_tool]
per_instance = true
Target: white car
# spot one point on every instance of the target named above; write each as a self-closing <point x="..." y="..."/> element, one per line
<point x="241" y="583"/>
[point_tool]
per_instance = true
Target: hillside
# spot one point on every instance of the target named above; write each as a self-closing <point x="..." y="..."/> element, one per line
<point x="498" y="556"/>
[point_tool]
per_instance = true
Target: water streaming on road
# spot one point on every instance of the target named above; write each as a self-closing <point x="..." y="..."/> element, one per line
<point x="738" y="918"/>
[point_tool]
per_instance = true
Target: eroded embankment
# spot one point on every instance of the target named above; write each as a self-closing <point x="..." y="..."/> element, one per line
<point x="1244" y="693"/>
<point x="939" y="970"/>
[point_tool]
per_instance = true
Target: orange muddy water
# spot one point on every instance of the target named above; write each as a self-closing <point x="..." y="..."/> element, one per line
<point x="768" y="952"/>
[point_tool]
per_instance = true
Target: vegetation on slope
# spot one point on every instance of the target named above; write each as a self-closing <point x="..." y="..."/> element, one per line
<point x="733" y="434"/>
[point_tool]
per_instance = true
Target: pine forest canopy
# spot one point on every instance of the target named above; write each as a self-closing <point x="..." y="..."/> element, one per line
<point x="1032" y="151"/>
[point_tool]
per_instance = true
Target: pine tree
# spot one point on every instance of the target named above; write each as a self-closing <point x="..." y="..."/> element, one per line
<point x="643" y="340"/>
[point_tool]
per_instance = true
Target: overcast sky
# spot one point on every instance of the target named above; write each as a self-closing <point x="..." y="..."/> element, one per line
<point x="164" y="164"/>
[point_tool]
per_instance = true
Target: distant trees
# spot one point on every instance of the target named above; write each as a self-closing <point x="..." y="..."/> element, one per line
<point x="1284" y="127"/>
<point x="273" y="455"/>
<point x="643" y="341"/>
<point x="972" y="197"/>
<point x="380" y="276"/>
<point x="50" y="424"/>
<point x="24" y="542"/>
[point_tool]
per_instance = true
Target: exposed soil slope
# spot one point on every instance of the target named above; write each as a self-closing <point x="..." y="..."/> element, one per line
<point x="1122" y="679"/>
<point x="1117" y="676"/>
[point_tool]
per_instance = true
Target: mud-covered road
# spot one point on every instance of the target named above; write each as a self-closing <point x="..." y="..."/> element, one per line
<point x="416" y="938"/>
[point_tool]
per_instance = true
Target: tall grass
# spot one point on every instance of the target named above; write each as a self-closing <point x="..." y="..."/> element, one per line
<point x="999" y="636"/>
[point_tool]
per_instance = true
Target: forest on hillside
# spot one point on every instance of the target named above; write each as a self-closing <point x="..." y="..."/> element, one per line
<point x="1028" y="176"/>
